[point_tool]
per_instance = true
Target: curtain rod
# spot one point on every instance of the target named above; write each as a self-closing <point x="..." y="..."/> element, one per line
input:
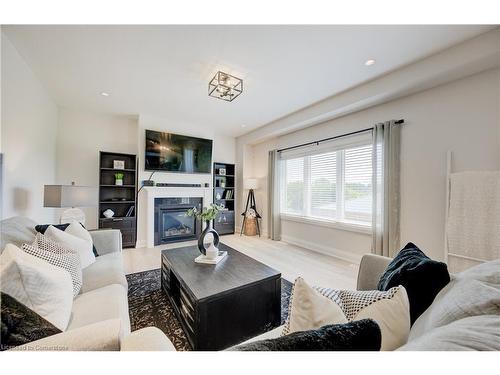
<point x="331" y="138"/>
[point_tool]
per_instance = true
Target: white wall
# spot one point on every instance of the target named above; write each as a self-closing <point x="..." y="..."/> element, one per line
<point x="29" y="129"/>
<point x="81" y="135"/>
<point x="462" y="116"/>
<point x="1" y="118"/>
<point x="223" y="151"/>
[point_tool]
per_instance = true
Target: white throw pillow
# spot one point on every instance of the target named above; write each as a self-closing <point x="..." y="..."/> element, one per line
<point x="390" y="309"/>
<point x="51" y="251"/>
<point x="84" y="248"/>
<point x="41" y="286"/>
<point x="76" y="229"/>
<point x="310" y="310"/>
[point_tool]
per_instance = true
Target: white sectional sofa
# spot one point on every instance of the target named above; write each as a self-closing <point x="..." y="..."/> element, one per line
<point x="100" y="315"/>
<point x="465" y="315"/>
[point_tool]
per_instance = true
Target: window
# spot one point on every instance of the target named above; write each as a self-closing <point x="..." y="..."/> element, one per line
<point x="294" y="186"/>
<point x="358" y="184"/>
<point x="331" y="186"/>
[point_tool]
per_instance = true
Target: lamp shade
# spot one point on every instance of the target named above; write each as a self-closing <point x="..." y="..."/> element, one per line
<point x="251" y="183"/>
<point x="69" y="196"/>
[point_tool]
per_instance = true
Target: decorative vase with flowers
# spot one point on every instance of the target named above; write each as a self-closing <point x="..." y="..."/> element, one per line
<point x="208" y="214"/>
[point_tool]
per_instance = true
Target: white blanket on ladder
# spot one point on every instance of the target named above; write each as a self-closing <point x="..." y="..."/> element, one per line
<point x="473" y="223"/>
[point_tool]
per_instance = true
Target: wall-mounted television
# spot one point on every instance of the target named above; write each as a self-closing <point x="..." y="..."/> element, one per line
<point x="177" y="153"/>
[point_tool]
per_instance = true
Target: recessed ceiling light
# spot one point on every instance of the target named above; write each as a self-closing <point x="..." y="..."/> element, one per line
<point x="105" y="93"/>
<point x="243" y="126"/>
<point x="369" y="62"/>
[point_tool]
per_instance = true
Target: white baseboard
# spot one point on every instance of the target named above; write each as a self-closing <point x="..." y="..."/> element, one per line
<point x="326" y="250"/>
<point x="141" y="243"/>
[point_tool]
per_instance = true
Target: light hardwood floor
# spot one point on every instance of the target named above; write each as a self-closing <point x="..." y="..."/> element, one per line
<point x="292" y="261"/>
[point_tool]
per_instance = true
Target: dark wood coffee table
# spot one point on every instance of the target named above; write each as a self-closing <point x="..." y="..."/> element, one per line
<point x="222" y="305"/>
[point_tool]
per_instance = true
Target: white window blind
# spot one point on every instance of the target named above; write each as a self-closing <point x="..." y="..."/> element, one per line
<point x="294" y="186"/>
<point x="330" y="185"/>
<point x="324" y="185"/>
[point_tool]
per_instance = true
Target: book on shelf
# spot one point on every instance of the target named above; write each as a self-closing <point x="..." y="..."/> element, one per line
<point x="228" y="194"/>
<point x="130" y="211"/>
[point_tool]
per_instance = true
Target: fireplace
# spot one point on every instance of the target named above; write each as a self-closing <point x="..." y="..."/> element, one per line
<point x="171" y="224"/>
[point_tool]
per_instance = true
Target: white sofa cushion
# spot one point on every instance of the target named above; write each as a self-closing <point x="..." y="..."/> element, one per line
<point x="149" y="339"/>
<point x="16" y="230"/>
<point x="105" y="335"/>
<point x="83" y="247"/>
<point x="106" y="270"/>
<point x="480" y="332"/>
<point x="109" y="302"/>
<point x="473" y="292"/>
<point x="39" y="285"/>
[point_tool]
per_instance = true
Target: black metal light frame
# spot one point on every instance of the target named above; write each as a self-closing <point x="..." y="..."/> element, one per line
<point x="215" y="82"/>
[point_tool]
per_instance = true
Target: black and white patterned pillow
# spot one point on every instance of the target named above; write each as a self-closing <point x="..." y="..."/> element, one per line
<point x="353" y="301"/>
<point x="315" y="306"/>
<point x="57" y="255"/>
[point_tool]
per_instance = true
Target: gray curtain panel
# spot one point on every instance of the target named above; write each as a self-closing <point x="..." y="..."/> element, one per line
<point x="386" y="189"/>
<point x="274" y="222"/>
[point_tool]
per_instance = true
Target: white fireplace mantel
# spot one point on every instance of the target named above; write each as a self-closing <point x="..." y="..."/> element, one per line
<point x="169" y="192"/>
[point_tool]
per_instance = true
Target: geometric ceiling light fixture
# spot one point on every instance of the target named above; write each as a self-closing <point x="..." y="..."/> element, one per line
<point x="225" y="86"/>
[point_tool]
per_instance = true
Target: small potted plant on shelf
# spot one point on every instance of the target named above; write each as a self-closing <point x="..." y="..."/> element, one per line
<point x="208" y="214"/>
<point x="119" y="178"/>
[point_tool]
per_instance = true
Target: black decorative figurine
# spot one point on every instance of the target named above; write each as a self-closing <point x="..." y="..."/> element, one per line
<point x="208" y="229"/>
<point x="208" y="214"/>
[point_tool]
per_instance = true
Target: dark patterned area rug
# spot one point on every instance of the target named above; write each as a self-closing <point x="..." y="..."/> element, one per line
<point x="149" y="306"/>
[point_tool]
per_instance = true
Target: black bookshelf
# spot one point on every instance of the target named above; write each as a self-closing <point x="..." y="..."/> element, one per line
<point x="224" y="194"/>
<point x="121" y="199"/>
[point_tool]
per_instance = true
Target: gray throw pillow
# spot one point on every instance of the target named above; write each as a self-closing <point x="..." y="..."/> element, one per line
<point x="473" y="292"/>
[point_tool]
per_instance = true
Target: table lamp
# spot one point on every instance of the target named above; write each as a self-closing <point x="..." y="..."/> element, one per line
<point x="72" y="196"/>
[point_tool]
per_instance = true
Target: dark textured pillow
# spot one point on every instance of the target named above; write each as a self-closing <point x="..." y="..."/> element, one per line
<point x="21" y="325"/>
<point x="43" y="227"/>
<point x="358" y="335"/>
<point x="421" y="276"/>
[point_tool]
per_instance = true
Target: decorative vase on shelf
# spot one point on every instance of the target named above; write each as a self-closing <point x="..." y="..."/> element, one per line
<point x="108" y="213"/>
<point x="119" y="182"/>
<point x="212" y="251"/>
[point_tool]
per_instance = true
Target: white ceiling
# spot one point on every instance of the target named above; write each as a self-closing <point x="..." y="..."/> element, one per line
<point x="164" y="70"/>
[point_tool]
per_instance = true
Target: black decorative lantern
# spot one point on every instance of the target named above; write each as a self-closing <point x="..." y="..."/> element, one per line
<point x="225" y="86"/>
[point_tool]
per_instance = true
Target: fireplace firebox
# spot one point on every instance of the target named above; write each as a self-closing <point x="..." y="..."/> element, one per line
<point x="171" y="222"/>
